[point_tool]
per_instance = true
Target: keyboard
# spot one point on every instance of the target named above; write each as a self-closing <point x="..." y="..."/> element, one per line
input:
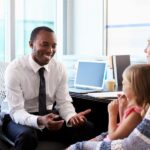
<point x="82" y="90"/>
<point x="105" y="94"/>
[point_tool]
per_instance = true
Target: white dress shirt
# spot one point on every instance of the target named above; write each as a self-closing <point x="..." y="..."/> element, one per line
<point x="22" y="90"/>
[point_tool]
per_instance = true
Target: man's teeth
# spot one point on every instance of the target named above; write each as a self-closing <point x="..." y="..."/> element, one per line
<point x="47" y="56"/>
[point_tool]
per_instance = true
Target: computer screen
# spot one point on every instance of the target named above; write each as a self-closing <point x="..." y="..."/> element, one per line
<point x="119" y="64"/>
<point x="90" y="74"/>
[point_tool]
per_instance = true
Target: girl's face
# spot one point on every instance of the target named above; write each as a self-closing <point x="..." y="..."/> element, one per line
<point x="147" y="51"/>
<point x="127" y="89"/>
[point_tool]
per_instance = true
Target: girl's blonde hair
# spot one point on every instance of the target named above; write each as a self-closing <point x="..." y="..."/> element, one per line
<point x="138" y="76"/>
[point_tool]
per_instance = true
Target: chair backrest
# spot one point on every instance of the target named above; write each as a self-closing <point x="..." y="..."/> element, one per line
<point x="3" y="66"/>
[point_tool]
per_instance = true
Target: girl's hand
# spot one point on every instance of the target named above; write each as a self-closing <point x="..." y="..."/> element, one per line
<point x="113" y="108"/>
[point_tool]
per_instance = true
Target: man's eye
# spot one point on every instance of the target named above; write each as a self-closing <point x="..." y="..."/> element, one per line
<point x="54" y="46"/>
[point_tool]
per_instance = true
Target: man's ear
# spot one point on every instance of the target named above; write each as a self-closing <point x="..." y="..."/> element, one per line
<point x="31" y="44"/>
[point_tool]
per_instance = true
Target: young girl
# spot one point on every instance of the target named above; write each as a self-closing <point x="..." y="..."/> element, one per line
<point x="131" y="106"/>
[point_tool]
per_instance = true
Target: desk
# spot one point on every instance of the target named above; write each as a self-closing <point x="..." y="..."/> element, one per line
<point x="89" y="98"/>
<point x="99" y="114"/>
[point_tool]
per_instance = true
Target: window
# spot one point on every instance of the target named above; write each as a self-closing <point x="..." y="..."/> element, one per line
<point x="28" y="15"/>
<point x="2" y="30"/>
<point x="128" y="27"/>
<point x="84" y="28"/>
<point x="83" y="32"/>
<point x="17" y="20"/>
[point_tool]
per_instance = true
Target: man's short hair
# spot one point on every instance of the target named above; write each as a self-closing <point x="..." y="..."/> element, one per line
<point x="35" y="32"/>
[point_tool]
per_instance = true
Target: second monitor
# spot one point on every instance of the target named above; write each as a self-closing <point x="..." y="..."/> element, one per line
<point x="119" y="63"/>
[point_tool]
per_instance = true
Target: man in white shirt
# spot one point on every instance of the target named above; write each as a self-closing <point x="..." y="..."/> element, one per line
<point x="24" y="125"/>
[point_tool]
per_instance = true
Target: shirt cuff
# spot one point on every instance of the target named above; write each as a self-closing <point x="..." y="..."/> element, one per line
<point x="68" y="118"/>
<point x="36" y="124"/>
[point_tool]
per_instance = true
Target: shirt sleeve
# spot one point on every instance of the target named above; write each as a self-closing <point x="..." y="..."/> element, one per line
<point x="15" y="99"/>
<point x="63" y="99"/>
<point x="135" y="109"/>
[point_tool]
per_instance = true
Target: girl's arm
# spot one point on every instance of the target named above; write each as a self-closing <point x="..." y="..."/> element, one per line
<point x="123" y="103"/>
<point x="116" y="107"/>
<point x="126" y="126"/>
<point x="113" y="110"/>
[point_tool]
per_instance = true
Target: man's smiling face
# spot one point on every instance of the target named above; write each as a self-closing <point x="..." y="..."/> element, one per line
<point x="43" y="47"/>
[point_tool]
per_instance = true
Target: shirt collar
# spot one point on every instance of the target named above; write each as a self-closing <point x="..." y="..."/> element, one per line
<point x="35" y="66"/>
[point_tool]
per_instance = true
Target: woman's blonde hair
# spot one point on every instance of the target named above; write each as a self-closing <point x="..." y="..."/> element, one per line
<point x="138" y="76"/>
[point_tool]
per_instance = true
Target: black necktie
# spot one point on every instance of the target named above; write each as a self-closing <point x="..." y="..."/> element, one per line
<point x="42" y="93"/>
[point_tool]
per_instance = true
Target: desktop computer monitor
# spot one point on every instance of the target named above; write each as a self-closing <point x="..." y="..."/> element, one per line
<point x="119" y="63"/>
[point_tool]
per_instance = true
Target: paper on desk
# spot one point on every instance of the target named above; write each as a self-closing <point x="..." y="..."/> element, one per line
<point x="105" y="94"/>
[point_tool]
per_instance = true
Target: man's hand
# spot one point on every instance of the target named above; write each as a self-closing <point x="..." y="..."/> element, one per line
<point x="51" y="121"/>
<point x="79" y="118"/>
